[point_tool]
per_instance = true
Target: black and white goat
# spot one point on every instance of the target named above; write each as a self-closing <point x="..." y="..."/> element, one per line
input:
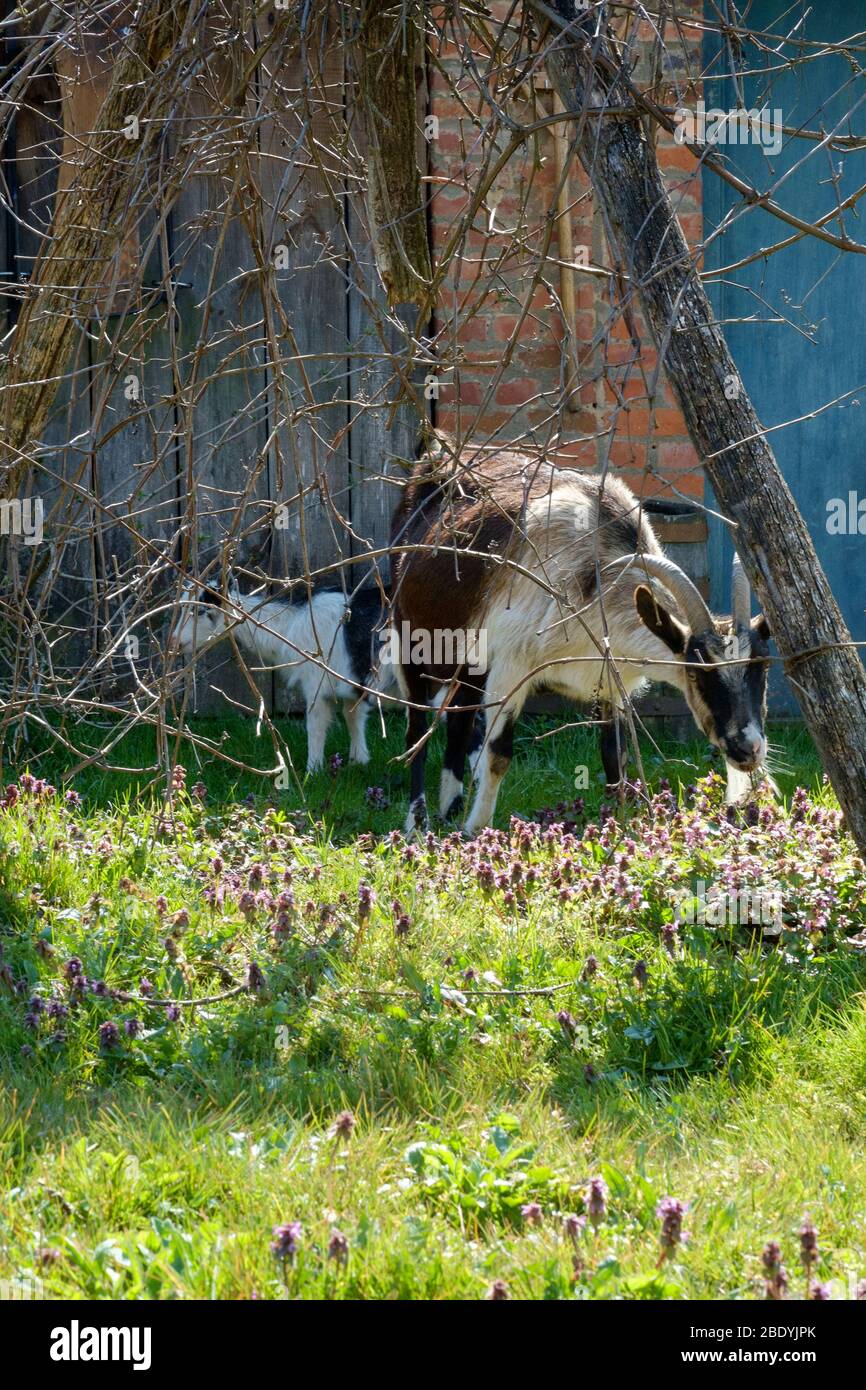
<point x="562" y="574"/>
<point x="325" y="648"/>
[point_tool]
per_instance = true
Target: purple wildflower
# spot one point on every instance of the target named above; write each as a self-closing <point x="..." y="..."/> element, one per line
<point x="343" y="1125"/>
<point x="573" y="1226"/>
<point x="808" y="1244"/>
<point x="532" y="1214"/>
<point x="285" y="1242"/>
<point x="338" y="1247"/>
<point x="596" y="1201"/>
<point x="254" y="978"/>
<point x="670" y="1212"/>
<point x="498" y="1292"/>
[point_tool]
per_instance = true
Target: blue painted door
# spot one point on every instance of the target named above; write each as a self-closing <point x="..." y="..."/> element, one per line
<point x="796" y="320"/>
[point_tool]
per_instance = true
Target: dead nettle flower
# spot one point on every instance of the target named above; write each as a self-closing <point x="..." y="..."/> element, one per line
<point x="338" y="1247"/>
<point x="47" y="1256"/>
<point x="375" y="797"/>
<point x="670" y="939"/>
<point x="247" y="904"/>
<point x="179" y="922"/>
<point x="78" y="986"/>
<point x="73" y="968"/>
<point x="532" y="1214"/>
<point x="573" y="1226"/>
<point x="343" y="1126"/>
<point x="199" y="791"/>
<point x="366" y="898"/>
<point x="640" y="974"/>
<point x="44" y="948"/>
<point x="402" y="920"/>
<point x="109" y="1036"/>
<point x="775" y="1273"/>
<point x="132" y="1027"/>
<point x="285" y="1242"/>
<point x="216" y="865"/>
<point x="596" y="1201"/>
<point x="670" y="1212"/>
<point x="568" y="1024"/>
<point x="172" y="1013"/>
<point x="72" y="799"/>
<point x="161" y="906"/>
<point x="145" y="986"/>
<point x="335" y="762"/>
<point x="819" y="1293"/>
<point x="808" y="1245"/>
<point x="590" y="1075"/>
<point x="590" y="966"/>
<point x="498" y="1292"/>
<point x="254" y="978"/>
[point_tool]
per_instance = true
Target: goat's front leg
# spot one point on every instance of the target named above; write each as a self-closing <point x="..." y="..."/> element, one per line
<point x="355" y="712"/>
<point x="494" y="759"/>
<point x="320" y="712"/>
<point x="460" y="726"/>
<point x="416" y="727"/>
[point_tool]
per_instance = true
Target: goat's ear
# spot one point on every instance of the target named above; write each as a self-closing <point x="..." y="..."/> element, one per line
<point x="761" y="627"/>
<point x="659" y="621"/>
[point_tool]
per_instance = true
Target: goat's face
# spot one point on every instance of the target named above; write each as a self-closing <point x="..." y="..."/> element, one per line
<point x="200" y="618"/>
<point x="725" y="678"/>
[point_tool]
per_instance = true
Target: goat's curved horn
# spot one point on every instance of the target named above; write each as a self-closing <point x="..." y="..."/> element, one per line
<point x="676" y="581"/>
<point x="741" y="594"/>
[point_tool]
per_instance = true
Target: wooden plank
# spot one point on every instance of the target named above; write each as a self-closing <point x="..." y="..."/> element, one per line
<point x="383" y="434"/>
<point x="301" y="189"/>
<point x="223" y="416"/>
<point x="133" y="468"/>
<point x="63" y="594"/>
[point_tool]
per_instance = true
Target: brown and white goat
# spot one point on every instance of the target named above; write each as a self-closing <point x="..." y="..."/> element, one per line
<point x="561" y="573"/>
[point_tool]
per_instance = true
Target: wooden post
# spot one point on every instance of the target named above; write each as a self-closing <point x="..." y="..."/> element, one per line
<point x="770" y="535"/>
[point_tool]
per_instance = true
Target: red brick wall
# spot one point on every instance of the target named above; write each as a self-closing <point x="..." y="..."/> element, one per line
<point x="499" y="329"/>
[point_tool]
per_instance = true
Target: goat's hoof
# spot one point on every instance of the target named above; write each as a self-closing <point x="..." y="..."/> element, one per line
<point x="359" y="759"/>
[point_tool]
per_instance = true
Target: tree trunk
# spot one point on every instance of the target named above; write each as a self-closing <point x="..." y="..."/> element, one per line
<point x="770" y="534"/>
<point x="389" y="40"/>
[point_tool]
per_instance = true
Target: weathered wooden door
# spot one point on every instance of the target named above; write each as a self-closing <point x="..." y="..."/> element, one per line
<point x="794" y="320"/>
<point x="261" y="418"/>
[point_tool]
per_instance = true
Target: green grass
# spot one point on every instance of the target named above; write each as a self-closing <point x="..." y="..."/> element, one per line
<point x="721" y="1066"/>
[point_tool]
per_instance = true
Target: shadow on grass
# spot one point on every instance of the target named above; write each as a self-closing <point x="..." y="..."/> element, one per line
<point x="349" y="800"/>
